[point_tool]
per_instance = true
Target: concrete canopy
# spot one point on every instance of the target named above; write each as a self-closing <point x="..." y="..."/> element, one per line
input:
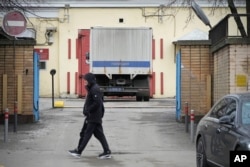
<point x="194" y="37"/>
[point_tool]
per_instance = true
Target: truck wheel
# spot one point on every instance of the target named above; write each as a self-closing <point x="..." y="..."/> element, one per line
<point x="146" y="98"/>
<point x="138" y="98"/>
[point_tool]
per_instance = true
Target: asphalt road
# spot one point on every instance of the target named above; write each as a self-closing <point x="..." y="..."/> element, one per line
<point x="140" y="134"/>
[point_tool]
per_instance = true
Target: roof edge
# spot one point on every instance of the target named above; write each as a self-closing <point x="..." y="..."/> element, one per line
<point x="192" y="42"/>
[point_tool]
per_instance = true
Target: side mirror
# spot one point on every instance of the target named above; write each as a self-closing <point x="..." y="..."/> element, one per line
<point x="226" y="119"/>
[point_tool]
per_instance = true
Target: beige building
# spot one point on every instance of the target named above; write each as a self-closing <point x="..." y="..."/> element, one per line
<point x="59" y="25"/>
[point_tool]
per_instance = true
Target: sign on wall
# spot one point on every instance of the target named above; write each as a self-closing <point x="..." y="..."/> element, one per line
<point x="14" y="23"/>
<point x="241" y="80"/>
<point x="43" y="53"/>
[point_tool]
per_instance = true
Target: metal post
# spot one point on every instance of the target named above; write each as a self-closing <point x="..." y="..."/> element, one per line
<point x="52" y="73"/>
<point x="186" y="116"/>
<point x="6" y="121"/>
<point x="52" y="91"/>
<point x="15" y="116"/>
<point x="192" y="125"/>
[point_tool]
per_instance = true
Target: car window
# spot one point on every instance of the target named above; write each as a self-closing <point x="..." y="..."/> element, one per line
<point x="226" y="106"/>
<point x="245" y="115"/>
<point x="231" y="108"/>
<point x="220" y="109"/>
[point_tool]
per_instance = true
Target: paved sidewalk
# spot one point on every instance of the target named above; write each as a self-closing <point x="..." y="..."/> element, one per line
<point x="140" y="134"/>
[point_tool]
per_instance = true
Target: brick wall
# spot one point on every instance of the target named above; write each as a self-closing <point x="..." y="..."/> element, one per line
<point x="231" y="70"/>
<point x="16" y="80"/>
<point x="196" y="76"/>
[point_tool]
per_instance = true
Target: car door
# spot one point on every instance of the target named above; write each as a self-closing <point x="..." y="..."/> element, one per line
<point x="213" y="146"/>
<point x="226" y="135"/>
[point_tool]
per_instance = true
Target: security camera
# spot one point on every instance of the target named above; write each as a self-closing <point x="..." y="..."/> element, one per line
<point x="49" y="34"/>
<point x="51" y="29"/>
<point x="50" y="40"/>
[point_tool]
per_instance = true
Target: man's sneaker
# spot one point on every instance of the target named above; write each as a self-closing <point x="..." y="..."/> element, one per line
<point x="74" y="153"/>
<point x="105" y="155"/>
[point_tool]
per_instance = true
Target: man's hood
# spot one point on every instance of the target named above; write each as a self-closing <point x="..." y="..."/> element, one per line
<point x="90" y="78"/>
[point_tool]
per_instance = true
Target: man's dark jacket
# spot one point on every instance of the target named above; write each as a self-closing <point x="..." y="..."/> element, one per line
<point x="93" y="108"/>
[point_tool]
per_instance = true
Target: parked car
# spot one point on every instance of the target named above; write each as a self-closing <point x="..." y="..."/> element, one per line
<point x="225" y="128"/>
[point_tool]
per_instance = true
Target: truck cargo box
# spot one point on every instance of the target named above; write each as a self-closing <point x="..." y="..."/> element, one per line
<point x="120" y="50"/>
<point x="121" y="59"/>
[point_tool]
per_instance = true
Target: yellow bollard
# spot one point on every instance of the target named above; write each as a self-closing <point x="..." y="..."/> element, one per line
<point x="59" y="104"/>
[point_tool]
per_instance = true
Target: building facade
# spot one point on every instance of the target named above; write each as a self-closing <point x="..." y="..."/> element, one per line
<point x="62" y="34"/>
<point x="60" y="29"/>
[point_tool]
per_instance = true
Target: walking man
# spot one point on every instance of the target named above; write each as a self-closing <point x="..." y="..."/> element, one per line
<point x="93" y="111"/>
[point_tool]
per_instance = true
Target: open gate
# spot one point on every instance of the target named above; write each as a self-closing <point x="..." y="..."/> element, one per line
<point x="36" y="87"/>
<point x="178" y="86"/>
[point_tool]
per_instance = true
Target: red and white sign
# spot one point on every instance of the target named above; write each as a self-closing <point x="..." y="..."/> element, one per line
<point x="43" y="54"/>
<point x="14" y="23"/>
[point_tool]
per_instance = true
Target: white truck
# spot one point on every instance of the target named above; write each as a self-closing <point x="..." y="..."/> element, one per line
<point x="121" y="59"/>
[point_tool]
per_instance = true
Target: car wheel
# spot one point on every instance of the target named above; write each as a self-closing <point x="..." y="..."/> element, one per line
<point x="146" y="98"/>
<point x="201" y="159"/>
<point x="138" y="98"/>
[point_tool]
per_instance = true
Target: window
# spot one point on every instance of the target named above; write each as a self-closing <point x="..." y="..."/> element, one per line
<point x="121" y="20"/>
<point x="226" y="106"/>
<point x="231" y="109"/>
<point x="245" y="116"/>
<point x="220" y="109"/>
<point x="42" y="65"/>
<point x="231" y="106"/>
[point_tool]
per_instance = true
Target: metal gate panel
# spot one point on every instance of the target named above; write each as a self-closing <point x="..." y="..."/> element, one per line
<point x="178" y="86"/>
<point x="36" y="87"/>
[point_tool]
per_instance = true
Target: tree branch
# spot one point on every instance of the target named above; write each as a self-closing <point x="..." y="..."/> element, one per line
<point x="237" y="18"/>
